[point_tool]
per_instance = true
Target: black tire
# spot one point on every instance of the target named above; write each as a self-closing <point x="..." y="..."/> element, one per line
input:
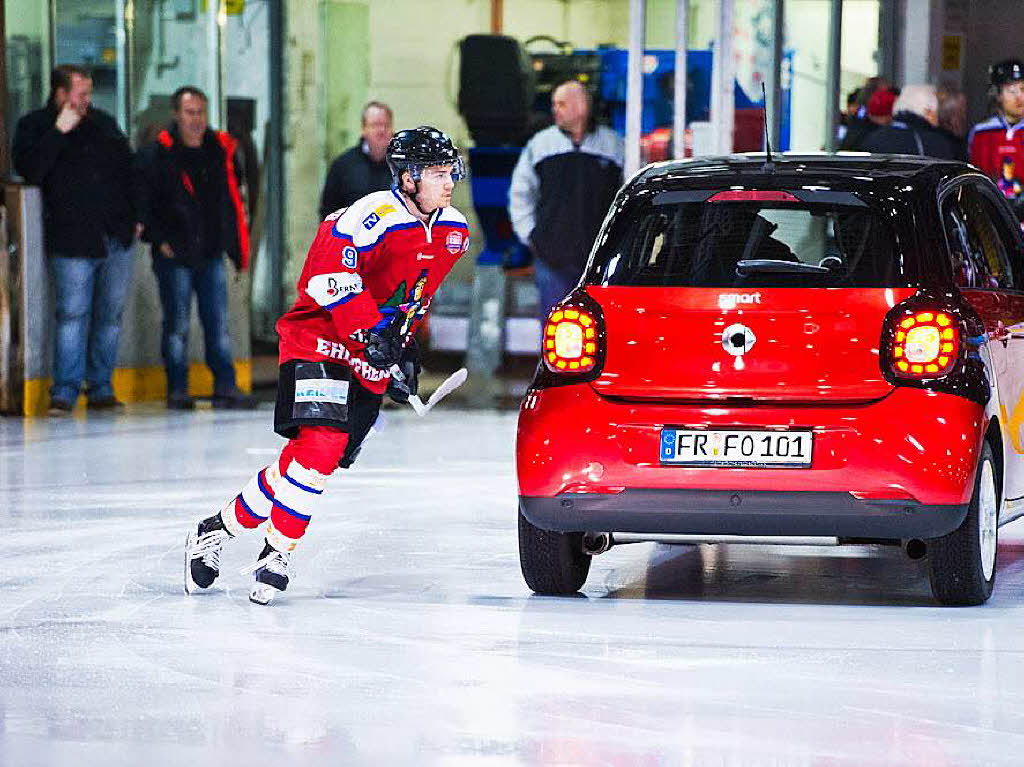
<point x="955" y="563"/>
<point x="553" y="563"/>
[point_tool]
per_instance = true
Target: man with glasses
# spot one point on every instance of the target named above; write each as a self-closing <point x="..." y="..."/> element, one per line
<point x="996" y="145"/>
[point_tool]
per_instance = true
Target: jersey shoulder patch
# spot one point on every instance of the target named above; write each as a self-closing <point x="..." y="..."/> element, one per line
<point x="361" y="225"/>
<point x="456" y="240"/>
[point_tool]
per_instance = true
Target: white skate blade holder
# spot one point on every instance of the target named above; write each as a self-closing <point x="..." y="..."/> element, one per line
<point x="450" y="384"/>
<point x="262" y="594"/>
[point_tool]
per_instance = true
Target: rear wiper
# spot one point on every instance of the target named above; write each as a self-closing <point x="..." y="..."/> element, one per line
<point x="762" y="265"/>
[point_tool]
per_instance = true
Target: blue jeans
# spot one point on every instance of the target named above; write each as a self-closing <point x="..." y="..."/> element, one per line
<point x="209" y="282"/>
<point x="90" y="296"/>
<point x="553" y="286"/>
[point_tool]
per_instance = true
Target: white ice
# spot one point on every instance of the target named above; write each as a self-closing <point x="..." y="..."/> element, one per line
<point x="409" y="638"/>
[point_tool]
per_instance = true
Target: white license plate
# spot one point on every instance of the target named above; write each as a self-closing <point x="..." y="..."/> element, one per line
<point x="698" y="447"/>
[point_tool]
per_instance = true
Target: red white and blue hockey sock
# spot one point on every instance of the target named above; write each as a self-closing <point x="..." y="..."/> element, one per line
<point x="296" y="498"/>
<point x="251" y="507"/>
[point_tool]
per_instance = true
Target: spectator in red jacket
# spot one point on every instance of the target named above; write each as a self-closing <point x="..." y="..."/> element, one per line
<point x="193" y="215"/>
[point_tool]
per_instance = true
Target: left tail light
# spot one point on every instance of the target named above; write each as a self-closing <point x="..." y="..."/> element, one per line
<point x="572" y="342"/>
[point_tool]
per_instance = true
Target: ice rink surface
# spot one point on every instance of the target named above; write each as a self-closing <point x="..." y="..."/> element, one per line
<point x="409" y="638"/>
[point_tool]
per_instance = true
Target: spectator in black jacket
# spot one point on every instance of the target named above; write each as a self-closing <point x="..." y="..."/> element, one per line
<point x="193" y="215"/>
<point x="83" y="163"/>
<point x="362" y="169"/>
<point x="562" y="186"/>
<point x="913" y="128"/>
<point x="953" y="118"/>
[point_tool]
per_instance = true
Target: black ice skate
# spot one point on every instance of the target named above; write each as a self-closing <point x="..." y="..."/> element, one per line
<point x="202" y="553"/>
<point x="271" y="574"/>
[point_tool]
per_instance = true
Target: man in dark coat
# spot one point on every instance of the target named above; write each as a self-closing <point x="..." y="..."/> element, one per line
<point x="193" y="215"/>
<point x="362" y="169"/>
<point x="563" y="183"/>
<point x="913" y="128"/>
<point x="83" y="163"/>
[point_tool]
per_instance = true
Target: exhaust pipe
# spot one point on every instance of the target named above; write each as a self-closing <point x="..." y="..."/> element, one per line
<point x="915" y="548"/>
<point x="597" y="543"/>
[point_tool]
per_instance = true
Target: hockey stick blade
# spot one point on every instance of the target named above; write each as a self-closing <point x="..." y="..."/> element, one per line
<point x="450" y="384"/>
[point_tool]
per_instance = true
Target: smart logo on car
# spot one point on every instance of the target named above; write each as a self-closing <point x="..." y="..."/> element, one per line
<point x="732" y="300"/>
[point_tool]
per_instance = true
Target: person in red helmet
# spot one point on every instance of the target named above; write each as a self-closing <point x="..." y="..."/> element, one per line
<point x="877" y="114"/>
<point x="996" y="145"/>
<point x="367" y="283"/>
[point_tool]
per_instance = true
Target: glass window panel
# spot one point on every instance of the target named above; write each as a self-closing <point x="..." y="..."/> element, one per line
<point x="86" y="34"/>
<point x="807" y="38"/>
<point x="861" y="54"/>
<point x="27" y="50"/>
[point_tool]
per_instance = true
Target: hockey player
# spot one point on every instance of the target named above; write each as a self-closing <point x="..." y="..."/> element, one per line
<point x="367" y="282"/>
<point x="996" y="145"/>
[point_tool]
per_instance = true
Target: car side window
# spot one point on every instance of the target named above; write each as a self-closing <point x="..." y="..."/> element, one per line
<point x="1009" y="235"/>
<point x="986" y="245"/>
<point x="964" y="261"/>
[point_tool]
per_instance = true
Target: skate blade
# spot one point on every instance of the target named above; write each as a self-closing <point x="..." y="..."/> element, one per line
<point x="190" y="585"/>
<point x="262" y="594"/>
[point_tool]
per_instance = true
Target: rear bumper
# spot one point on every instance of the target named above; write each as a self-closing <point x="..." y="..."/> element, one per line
<point x="901" y="467"/>
<point x="722" y="512"/>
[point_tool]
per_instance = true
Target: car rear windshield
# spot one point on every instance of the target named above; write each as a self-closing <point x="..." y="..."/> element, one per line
<point x="740" y="243"/>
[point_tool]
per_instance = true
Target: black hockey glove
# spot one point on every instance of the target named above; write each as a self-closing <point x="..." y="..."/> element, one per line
<point x="400" y="391"/>
<point x="384" y="349"/>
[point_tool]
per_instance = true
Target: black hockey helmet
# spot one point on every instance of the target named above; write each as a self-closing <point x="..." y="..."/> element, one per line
<point x="1005" y="71"/>
<point x="417" y="148"/>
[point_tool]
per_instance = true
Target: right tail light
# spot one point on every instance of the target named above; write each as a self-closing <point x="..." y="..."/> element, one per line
<point x="926" y="345"/>
<point x="931" y="341"/>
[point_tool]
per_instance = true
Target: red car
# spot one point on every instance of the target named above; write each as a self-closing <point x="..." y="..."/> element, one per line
<point x="827" y="347"/>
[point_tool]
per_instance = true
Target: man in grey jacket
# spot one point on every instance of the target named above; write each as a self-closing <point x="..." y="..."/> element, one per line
<point x="562" y="186"/>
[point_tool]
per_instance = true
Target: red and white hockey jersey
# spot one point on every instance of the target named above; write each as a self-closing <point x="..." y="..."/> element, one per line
<point x="997" y="149"/>
<point x="368" y="262"/>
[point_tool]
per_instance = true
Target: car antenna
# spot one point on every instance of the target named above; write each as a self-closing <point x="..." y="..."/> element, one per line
<point x="769" y="163"/>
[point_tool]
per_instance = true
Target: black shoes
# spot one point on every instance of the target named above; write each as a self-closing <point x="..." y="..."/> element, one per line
<point x="234" y="401"/>
<point x="178" y="401"/>
<point x="105" y="403"/>
<point x="59" y="407"/>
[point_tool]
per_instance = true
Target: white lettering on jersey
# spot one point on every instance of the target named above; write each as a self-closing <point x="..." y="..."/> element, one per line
<point x="338" y="351"/>
<point x="328" y="289"/>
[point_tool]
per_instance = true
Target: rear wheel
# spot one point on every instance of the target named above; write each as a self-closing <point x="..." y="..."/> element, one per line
<point x="552" y="562"/>
<point x="963" y="563"/>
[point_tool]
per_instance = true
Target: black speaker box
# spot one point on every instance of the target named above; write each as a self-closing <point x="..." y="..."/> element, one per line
<point x="496" y="87"/>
